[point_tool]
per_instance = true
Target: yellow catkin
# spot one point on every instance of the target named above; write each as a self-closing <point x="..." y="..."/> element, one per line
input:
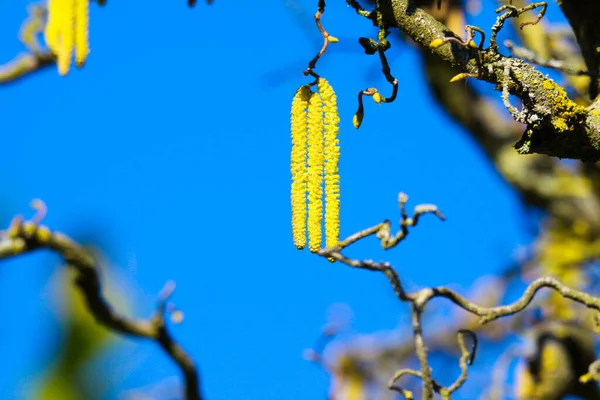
<point x="349" y="383"/>
<point x="332" y="157"/>
<point x="298" y="164"/>
<point x="315" y="171"/>
<point x="81" y="31"/>
<point x="65" y="48"/>
<point x="52" y="29"/>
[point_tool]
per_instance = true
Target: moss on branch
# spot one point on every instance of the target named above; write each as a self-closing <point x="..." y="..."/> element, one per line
<point x="555" y="124"/>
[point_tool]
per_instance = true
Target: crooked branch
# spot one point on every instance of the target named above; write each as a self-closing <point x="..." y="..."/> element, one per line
<point x="27" y="236"/>
<point x="419" y="299"/>
<point x="36" y="58"/>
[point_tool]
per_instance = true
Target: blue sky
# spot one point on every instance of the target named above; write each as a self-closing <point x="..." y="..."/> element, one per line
<point x="174" y="143"/>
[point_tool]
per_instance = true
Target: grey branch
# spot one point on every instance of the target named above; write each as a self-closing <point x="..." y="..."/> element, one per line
<point x="23" y="65"/>
<point x="420" y="298"/>
<point x="529" y="56"/>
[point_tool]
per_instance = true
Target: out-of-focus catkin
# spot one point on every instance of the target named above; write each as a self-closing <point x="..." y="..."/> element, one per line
<point x="299" y="121"/>
<point x="332" y="157"/>
<point x="67" y="37"/>
<point x="67" y="30"/>
<point x="52" y="29"/>
<point x="315" y="172"/>
<point x="81" y="31"/>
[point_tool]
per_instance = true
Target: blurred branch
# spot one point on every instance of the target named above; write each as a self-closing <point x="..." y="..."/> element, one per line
<point x="583" y="17"/>
<point x="37" y="58"/>
<point x="467" y="357"/>
<point x="592" y="374"/>
<point x="530" y="56"/>
<point x="499" y="371"/>
<point x="81" y="342"/>
<point x="192" y="3"/>
<point x="27" y="236"/>
<point x="380" y="361"/>
<point x="23" y="65"/>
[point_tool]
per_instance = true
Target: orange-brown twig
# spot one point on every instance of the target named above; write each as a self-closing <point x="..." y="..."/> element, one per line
<point x="327" y="38"/>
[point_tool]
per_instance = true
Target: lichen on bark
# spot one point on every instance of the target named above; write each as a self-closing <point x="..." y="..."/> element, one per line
<point x="555" y="125"/>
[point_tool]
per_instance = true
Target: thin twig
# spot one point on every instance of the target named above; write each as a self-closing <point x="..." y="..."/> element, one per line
<point x="380" y="47"/>
<point x="592" y="374"/>
<point x="468" y="40"/>
<point x="393" y="383"/>
<point x="499" y="371"/>
<point x="327" y="38"/>
<point x="516" y="114"/>
<point x="467" y="357"/>
<point x="510" y="11"/>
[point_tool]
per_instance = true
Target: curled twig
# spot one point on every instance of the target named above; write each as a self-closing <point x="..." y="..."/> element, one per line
<point x="372" y="47"/>
<point x="36" y="58"/>
<point x="387" y="72"/>
<point x="516" y="114"/>
<point x="27" y="236"/>
<point x="469" y="354"/>
<point x="32" y="27"/>
<point x="543" y="5"/>
<point x="466" y="42"/>
<point x="315" y="354"/>
<point x="40" y="211"/>
<point x="392" y="384"/>
<point x="510" y="11"/>
<point x="467" y="357"/>
<point x="327" y="38"/>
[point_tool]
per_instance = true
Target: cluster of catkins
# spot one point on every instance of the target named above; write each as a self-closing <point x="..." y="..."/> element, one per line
<point x="314" y="166"/>
<point x="67" y="30"/>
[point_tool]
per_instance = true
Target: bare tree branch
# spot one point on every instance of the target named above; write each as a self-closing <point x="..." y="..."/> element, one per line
<point x="37" y="58"/>
<point x="419" y="299"/>
<point x="23" y="65"/>
<point x="27" y="236"/>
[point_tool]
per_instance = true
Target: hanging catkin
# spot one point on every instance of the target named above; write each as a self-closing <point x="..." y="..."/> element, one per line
<point x="67" y="31"/>
<point x="299" y="119"/>
<point x="314" y="165"/>
<point x="332" y="156"/>
<point x="315" y="172"/>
